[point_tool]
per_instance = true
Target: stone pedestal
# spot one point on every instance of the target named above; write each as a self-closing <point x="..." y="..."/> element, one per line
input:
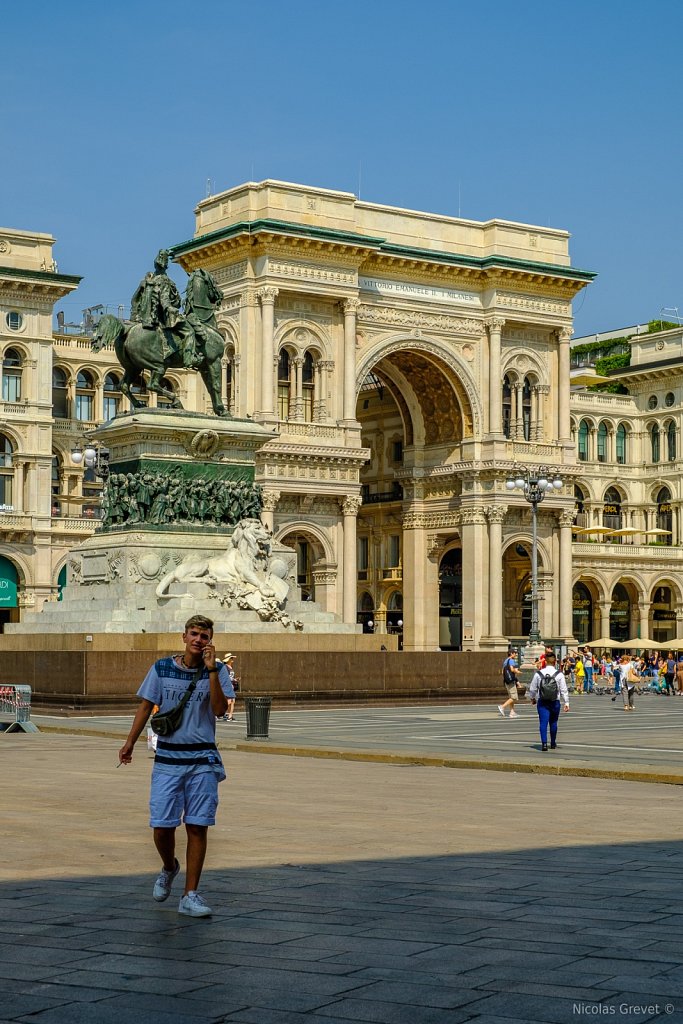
<point x="181" y="536"/>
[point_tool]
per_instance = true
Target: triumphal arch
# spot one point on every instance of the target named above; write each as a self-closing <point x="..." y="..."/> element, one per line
<point x="405" y="363"/>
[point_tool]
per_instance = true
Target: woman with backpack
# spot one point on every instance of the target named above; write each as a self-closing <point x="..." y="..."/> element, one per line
<point x="547" y="687"/>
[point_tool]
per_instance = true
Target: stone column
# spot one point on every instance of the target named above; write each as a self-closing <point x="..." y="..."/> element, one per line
<point x="517" y="412"/>
<point x="644" y="617"/>
<point x="566" y="626"/>
<point x="19" y="485"/>
<point x="563" y="383"/>
<point x="350" y="506"/>
<point x="270" y="500"/>
<point x="267" y="295"/>
<point x="495" y="327"/>
<point x="350" y="307"/>
<point x="297" y="412"/>
<point x="474" y="546"/>
<point x="495" y="515"/>
<point x="420" y="586"/>
<point x="605" y="608"/>
<point x="98" y="409"/>
<point x="679" y="622"/>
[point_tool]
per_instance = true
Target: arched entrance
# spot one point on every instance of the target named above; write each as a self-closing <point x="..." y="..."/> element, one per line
<point x="663" y="614"/>
<point x="582" y="613"/>
<point x="309" y="550"/>
<point x="450" y="601"/>
<point x="517" y="590"/>
<point x="9" y="586"/>
<point x="620" y="613"/>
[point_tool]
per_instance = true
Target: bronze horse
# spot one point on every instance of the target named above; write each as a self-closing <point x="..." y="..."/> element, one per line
<point x="145" y="348"/>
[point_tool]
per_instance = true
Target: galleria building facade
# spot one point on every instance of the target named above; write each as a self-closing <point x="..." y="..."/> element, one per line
<point x="406" y="364"/>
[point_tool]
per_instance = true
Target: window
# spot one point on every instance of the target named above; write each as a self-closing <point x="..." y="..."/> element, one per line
<point x="92" y="491"/>
<point x="112" y="396"/>
<point x="583" y="441"/>
<point x="654" y="442"/>
<point x="602" y="443"/>
<point x="60" y="394"/>
<point x="652" y="402"/>
<point x="14" y="321"/>
<point x="397" y="451"/>
<point x="669" y="399"/>
<point x="394" y="552"/>
<point x="621" y="444"/>
<point x="283" y="385"/>
<point x="507" y="406"/>
<point x="671" y="441"/>
<point x="6" y="473"/>
<point x="56" y="487"/>
<point x="162" y="401"/>
<point x="139" y="389"/>
<point x="363" y="554"/>
<point x="611" y="510"/>
<point x="229" y="384"/>
<point x="11" y="375"/>
<point x="308" y="387"/>
<point x="581" y="519"/>
<point x="526" y="409"/>
<point x="664" y="517"/>
<point x="85" y="397"/>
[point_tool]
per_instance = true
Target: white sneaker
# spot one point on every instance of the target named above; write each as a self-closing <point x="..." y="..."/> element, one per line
<point x="513" y="714"/>
<point x="193" y="905"/>
<point x="500" y="710"/>
<point x="164" y="883"/>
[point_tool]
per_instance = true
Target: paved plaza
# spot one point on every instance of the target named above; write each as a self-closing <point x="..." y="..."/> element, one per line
<point x="347" y="891"/>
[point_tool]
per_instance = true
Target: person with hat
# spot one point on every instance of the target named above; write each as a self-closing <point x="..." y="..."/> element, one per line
<point x="229" y="662"/>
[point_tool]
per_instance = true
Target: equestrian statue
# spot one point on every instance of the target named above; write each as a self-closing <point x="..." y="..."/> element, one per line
<point x="160" y="335"/>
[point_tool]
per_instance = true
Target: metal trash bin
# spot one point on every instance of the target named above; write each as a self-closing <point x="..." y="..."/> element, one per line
<point x="258" y="717"/>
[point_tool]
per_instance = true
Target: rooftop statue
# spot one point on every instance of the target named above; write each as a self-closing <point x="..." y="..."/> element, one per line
<point x="161" y="335"/>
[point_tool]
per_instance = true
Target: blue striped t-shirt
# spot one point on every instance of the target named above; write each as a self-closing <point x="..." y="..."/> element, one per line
<point x="192" y="747"/>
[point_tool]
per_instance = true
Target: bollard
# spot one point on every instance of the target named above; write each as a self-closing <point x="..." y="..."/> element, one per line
<point x="258" y="717"/>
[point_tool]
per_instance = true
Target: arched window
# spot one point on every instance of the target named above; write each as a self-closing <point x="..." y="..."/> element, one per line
<point x="283" y="385"/>
<point x="6" y="474"/>
<point x="308" y="387"/>
<point x="12" y="363"/>
<point x="621" y="444"/>
<point x="85" y="397"/>
<point x="60" y="394"/>
<point x="366" y="613"/>
<point x="507" y="406"/>
<point x="112" y="396"/>
<point x="526" y="409"/>
<point x="664" y="516"/>
<point x="583" y="441"/>
<point x="602" y="442"/>
<point x="611" y="510"/>
<point x="654" y="441"/>
<point x="671" y="441"/>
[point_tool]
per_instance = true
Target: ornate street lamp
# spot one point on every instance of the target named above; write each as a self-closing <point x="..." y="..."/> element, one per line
<point x="93" y="456"/>
<point x="535" y="483"/>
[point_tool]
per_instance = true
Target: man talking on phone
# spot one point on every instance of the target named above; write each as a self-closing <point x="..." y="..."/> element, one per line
<point x="187" y="765"/>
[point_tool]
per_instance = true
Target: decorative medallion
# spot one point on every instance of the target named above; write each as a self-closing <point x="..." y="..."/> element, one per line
<point x="204" y="444"/>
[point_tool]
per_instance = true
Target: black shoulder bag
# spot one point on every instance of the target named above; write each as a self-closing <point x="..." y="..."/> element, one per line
<point x="166" y="722"/>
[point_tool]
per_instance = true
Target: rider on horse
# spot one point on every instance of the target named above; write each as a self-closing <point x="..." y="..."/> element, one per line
<point x="156" y="304"/>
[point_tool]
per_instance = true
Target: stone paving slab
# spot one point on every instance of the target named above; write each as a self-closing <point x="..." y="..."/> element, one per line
<point x="342" y="891"/>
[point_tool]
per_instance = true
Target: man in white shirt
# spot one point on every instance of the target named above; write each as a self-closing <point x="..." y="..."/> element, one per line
<point x="548" y="687"/>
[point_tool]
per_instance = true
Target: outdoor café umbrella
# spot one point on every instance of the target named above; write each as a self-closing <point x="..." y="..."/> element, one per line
<point x="605" y="641"/>
<point x="657" y="533"/>
<point x="640" y="643"/>
<point x="594" y="529"/>
<point x="627" y="531"/>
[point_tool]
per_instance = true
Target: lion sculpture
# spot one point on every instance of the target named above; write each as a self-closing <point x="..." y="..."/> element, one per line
<point x="245" y="573"/>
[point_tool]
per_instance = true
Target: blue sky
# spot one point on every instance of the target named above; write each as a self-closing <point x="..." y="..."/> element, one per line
<point x="115" y="116"/>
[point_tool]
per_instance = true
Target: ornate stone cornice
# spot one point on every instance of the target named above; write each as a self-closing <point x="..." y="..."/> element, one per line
<point x="311" y="273"/>
<point x="399" y="317"/>
<point x="472" y="516"/>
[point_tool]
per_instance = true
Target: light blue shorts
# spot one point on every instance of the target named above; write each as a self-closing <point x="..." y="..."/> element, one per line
<point x="191" y="798"/>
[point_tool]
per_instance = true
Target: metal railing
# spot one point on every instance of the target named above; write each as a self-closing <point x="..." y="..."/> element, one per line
<point x="15" y="708"/>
